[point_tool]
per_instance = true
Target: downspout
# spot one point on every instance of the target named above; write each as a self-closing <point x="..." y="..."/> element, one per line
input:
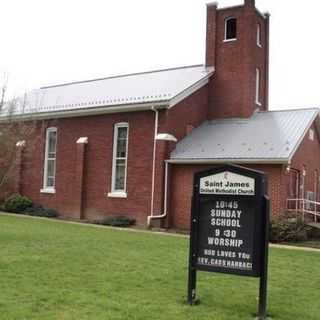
<point x="161" y="216"/>
<point x="164" y="214"/>
<point x="156" y="125"/>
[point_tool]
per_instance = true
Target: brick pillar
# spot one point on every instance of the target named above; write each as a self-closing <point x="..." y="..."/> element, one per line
<point x="79" y="178"/>
<point x="211" y="34"/>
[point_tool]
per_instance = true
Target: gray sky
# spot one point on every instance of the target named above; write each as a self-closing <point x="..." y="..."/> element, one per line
<point x="48" y="42"/>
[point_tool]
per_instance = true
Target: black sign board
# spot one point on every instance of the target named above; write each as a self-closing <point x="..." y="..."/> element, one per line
<point x="229" y="226"/>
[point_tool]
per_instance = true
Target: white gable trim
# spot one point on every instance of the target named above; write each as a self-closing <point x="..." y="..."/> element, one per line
<point x="295" y="149"/>
<point x="189" y="91"/>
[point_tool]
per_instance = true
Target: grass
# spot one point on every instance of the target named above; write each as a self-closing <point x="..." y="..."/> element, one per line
<point x="52" y="270"/>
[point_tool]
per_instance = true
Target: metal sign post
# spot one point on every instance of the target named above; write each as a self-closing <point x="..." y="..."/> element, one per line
<point x="229" y="227"/>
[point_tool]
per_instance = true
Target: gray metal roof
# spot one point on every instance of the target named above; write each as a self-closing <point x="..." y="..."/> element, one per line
<point x="161" y="87"/>
<point x="270" y="136"/>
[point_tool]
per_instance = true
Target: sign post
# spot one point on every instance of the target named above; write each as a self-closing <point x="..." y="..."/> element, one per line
<point x="229" y="227"/>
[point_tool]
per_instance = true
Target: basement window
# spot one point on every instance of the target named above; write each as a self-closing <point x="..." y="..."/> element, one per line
<point x="49" y="176"/>
<point x="119" y="163"/>
<point x="230" y="29"/>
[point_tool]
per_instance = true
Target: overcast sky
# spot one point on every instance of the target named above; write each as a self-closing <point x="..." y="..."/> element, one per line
<point x="49" y="42"/>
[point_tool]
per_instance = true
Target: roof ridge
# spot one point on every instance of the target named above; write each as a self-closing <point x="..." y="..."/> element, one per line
<point x="122" y="76"/>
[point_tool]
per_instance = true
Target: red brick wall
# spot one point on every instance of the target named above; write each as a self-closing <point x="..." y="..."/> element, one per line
<point x="232" y="88"/>
<point x="178" y="120"/>
<point x="308" y="155"/>
<point x="97" y="167"/>
<point x="191" y="111"/>
<point x="181" y="190"/>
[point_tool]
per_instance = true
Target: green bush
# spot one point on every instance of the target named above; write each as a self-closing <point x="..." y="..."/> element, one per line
<point x="288" y="230"/>
<point x="17" y="203"/>
<point x="39" y="211"/>
<point x="118" y="221"/>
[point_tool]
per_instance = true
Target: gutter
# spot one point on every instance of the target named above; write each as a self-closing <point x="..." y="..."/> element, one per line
<point x="52" y="114"/>
<point x="220" y="161"/>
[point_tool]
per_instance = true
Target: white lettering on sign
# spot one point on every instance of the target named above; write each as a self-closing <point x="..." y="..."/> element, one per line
<point x="227" y="183"/>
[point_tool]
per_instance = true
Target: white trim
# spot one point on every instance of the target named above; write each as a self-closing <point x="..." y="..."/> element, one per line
<point x="189" y="91"/>
<point x="165" y="199"/>
<point x="117" y="195"/>
<point x="219" y="161"/>
<point x="294" y="150"/>
<point x="83" y="140"/>
<point x="225" y="29"/>
<point x="21" y="144"/>
<point x="166" y="137"/>
<point x="156" y="125"/>
<point x="86" y="111"/>
<point x="114" y="159"/>
<point x="48" y="189"/>
<point x="311" y="134"/>
<point x="259" y="35"/>
<point x="258" y="80"/>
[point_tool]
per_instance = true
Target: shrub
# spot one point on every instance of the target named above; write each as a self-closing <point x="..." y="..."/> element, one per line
<point x="288" y="230"/>
<point x="118" y="221"/>
<point x="39" y="211"/>
<point x="17" y="203"/>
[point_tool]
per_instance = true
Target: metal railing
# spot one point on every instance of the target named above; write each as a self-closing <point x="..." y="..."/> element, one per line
<point x="304" y="206"/>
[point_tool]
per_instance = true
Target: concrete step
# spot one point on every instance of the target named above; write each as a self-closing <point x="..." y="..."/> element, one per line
<point x="314" y="225"/>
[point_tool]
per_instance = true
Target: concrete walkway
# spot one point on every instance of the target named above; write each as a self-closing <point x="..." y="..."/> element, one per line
<point x="173" y="234"/>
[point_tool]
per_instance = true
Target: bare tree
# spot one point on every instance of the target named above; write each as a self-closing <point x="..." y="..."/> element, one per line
<point x="3" y="90"/>
<point x="18" y="137"/>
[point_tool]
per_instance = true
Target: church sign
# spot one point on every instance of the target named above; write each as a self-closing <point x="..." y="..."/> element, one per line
<point x="229" y="226"/>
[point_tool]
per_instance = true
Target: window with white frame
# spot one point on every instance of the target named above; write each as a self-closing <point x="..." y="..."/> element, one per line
<point x="258" y="76"/>
<point x="311" y="134"/>
<point x="49" y="177"/>
<point x="259" y="35"/>
<point x="120" y="156"/>
<point x="230" y="29"/>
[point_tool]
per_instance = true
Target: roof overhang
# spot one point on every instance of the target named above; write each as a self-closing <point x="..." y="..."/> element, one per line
<point x="192" y="89"/>
<point x="99" y="110"/>
<point x="86" y="112"/>
<point x="220" y="161"/>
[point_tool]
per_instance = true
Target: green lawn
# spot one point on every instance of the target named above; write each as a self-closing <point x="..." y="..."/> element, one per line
<point x="52" y="270"/>
<point x="307" y="244"/>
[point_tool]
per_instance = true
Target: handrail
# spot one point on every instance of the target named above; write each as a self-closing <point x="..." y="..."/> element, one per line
<point x="300" y="206"/>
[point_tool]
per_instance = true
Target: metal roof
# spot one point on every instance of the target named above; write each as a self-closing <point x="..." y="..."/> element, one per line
<point x="272" y="136"/>
<point x="163" y="87"/>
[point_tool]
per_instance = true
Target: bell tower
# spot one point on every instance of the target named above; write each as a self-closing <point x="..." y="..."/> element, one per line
<point x="237" y="45"/>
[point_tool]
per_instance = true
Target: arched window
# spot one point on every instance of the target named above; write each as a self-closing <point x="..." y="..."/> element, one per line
<point x="259" y="35"/>
<point x="230" y="29"/>
<point x="258" y="80"/>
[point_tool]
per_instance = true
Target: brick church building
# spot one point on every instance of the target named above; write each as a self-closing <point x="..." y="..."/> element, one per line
<point x="129" y="145"/>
